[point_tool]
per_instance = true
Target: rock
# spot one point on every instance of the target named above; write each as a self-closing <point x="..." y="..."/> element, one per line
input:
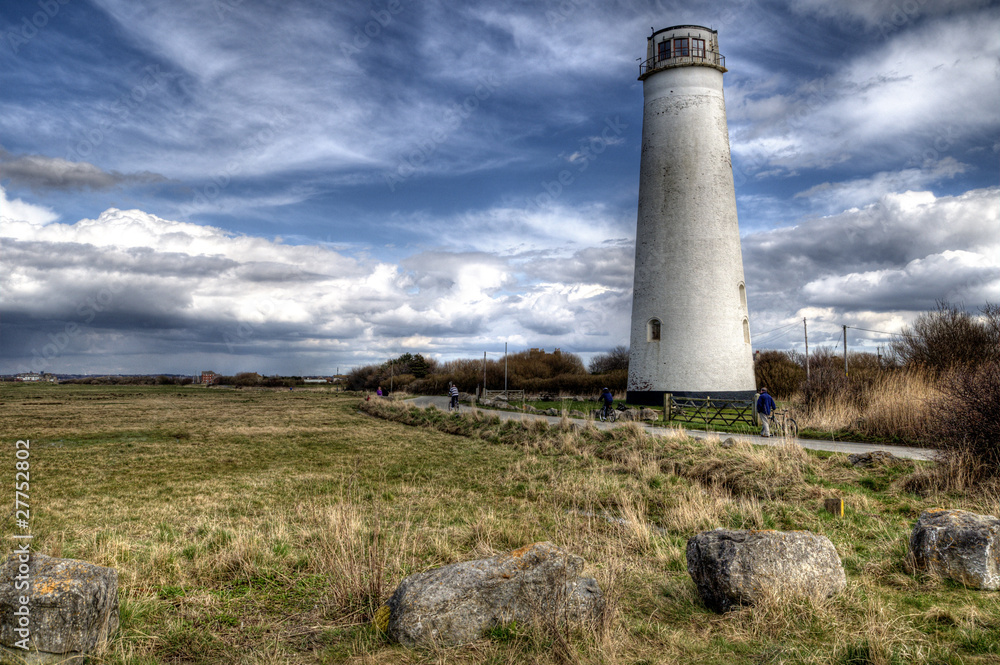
<point x="579" y="415"/>
<point x="460" y="602"/>
<point x="959" y="545"/>
<point x="552" y="412"/>
<point x="739" y="567"/>
<point x="649" y="414"/>
<point x="72" y="607"/>
<point x="728" y="443"/>
<point x="874" y="458"/>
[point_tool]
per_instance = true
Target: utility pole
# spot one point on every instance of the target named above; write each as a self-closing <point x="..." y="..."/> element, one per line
<point x="505" y="370"/>
<point x="484" y="375"/>
<point x="845" y="350"/>
<point x="805" y="330"/>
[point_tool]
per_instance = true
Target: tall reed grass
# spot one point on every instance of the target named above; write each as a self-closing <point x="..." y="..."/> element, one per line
<point x="894" y="405"/>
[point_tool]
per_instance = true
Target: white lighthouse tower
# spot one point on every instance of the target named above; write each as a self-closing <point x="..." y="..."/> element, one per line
<point x="690" y="327"/>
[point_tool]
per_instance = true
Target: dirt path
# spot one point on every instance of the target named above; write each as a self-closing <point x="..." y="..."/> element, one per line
<point x="846" y="447"/>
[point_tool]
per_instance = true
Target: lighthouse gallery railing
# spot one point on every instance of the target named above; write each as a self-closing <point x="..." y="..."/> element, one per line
<point x="702" y="58"/>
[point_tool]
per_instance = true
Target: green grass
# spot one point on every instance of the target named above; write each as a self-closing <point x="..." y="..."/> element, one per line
<point x="268" y="526"/>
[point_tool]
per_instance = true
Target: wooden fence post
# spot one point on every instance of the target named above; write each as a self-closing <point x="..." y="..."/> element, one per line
<point x="668" y="407"/>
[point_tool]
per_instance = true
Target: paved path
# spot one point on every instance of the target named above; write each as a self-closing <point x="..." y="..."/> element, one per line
<point x="813" y="444"/>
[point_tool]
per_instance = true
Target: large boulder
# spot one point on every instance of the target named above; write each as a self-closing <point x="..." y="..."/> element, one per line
<point x="958" y="545"/>
<point x="460" y="602"/>
<point x="72" y="608"/>
<point x="739" y="567"/>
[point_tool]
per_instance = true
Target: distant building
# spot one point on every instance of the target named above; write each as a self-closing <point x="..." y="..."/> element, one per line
<point x="208" y="378"/>
<point x="315" y="380"/>
<point x="35" y="376"/>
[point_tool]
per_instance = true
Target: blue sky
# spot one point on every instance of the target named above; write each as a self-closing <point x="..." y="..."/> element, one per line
<point x="304" y="186"/>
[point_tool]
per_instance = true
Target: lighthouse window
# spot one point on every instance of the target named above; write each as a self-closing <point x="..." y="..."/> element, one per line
<point x="698" y="48"/>
<point x="654" y="330"/>
<point x="663" y="52"/>
<point x="681" y="47"/>
<point x="746" y="331"/>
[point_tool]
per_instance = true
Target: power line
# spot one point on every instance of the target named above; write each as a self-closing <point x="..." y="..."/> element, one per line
<point x="761" y="334"/>
<point x="882" y="332"/>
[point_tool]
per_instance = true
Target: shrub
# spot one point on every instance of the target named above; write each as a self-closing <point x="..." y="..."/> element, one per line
<point x="614" y="360"/>
<point x="949" y="338"/>
<point x="967" y="422"/>
<point x="782" y="372"/>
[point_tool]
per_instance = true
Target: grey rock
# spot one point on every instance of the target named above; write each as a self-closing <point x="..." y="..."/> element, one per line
<point x="649" y="414"/>
<point x="874" y="458"/>
<point x="728" y="443"/>
<point x="958" y="545"/>
<point x="552" y="411"/>
<point x="459" y="603"/>
<point x="739" y="567"/>
<point x="72" y="606"/>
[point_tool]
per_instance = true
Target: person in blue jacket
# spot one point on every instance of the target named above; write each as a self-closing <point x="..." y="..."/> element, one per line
<point x="765" y="406"/>
<point x="608" y="399"/>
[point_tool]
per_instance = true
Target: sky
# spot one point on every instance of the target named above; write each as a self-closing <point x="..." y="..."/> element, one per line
<point x="301" y="188"/>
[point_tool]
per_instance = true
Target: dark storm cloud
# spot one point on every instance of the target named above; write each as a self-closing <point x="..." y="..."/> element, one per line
<point x="40" y="172"/>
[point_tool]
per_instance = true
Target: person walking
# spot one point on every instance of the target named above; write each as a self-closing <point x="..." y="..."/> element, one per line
<point x="453" y="392"/>
<point x="765" y="406"/>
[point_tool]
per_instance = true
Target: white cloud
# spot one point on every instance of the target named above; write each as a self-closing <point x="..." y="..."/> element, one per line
<point x="877" y="266"/>
<point x="18" y="210"/>
<point x="891" y="104"/>
<point x="135" y="281"/>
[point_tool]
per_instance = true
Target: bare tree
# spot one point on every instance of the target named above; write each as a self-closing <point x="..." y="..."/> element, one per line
<point x="949" y="337"/>
<point x="615" y="359"/>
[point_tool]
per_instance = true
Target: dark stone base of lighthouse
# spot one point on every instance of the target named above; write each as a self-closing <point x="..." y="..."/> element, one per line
<point x="655" y="397"/>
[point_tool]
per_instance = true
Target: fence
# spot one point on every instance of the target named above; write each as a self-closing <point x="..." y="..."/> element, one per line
<point x="707" y="411"/>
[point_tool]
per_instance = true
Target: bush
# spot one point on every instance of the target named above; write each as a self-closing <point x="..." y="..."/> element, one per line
<point x="614" y="360"/>
<point x="782" y="372"/>
<point x="950" y="338"/>
<point x="967" y="422"/>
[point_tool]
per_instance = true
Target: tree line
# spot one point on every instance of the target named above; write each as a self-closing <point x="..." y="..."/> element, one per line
<point x="532" y="370"/>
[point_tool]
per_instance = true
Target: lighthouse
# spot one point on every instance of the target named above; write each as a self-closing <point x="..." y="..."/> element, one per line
<point x="690" y="326"/>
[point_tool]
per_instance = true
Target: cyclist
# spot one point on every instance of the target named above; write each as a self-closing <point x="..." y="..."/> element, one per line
<point x="608" y="399"/>
<point x="453" y="392"/>
<point x="765" y="407"/>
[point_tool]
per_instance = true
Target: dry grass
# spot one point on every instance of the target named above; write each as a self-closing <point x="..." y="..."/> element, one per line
<point x="895" y="406"/>
<point x="267" y="527"/>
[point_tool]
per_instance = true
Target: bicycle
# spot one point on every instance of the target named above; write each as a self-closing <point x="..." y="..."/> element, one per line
<point x="781" y="422"/>
<point x="607" y="413"/>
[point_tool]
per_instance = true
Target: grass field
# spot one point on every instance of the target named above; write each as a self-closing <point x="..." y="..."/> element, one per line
<point x="267" y="527"/>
